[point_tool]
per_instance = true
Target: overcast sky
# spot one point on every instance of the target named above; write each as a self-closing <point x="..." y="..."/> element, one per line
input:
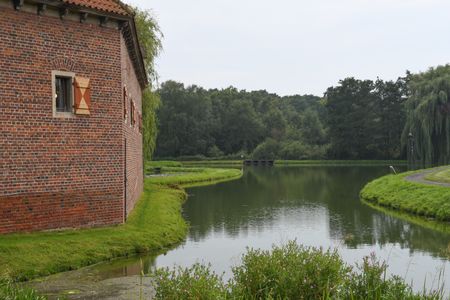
<point x="297" y="46"/>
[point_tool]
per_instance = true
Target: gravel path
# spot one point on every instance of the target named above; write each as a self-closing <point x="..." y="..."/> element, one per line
<point x="420" y="177"/>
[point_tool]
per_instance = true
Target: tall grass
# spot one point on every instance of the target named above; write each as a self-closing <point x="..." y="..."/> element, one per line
<point x="11" y="291"/>
<point x="289" y="272"/>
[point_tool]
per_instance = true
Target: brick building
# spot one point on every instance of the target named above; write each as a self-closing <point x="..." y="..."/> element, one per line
<point x="71" y="76"/>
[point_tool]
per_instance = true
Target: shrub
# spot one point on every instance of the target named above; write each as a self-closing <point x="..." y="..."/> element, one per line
<point x="288" y="272"/>
<point x="298" y="150"/>
<point x="370" y="282"/>
<point x="197" y="282"/>
<point x="266" y="150"/>
<point x="214" y="151"/>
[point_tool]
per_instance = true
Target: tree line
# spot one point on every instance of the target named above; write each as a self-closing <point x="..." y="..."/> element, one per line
<point x="355" y="120"/>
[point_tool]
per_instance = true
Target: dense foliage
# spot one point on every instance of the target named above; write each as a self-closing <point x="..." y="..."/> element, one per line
<point x="150" y="37"/>
<point x="356" y="120"/>
<point x="288" y="272"/>
<point x="428" y="110"/>
<point x="365" y="118"/>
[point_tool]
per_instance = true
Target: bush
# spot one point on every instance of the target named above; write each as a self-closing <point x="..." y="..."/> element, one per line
<point x="294" y="150"/>
<point x="266" y="150"/>
<point x="197" y="282"/>
<point x="214" y="151"/>
<point x="288" y="272"/>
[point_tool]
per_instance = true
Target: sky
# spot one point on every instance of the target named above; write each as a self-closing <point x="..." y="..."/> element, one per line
<point x="297" y="46"/>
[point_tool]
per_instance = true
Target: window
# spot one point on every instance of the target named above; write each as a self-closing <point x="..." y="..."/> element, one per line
<point x="63" y="93"/>
<point x="132" y="112"/>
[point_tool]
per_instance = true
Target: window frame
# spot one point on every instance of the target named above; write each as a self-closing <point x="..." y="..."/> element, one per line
<point x="71" y="75"/>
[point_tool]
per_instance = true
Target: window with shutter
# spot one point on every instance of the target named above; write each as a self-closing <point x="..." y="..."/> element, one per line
<point x="82" y="99"/>
<point x="63" y="97"/>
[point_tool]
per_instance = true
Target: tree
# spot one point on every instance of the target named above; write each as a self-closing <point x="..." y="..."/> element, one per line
<point x="428" y="111"/>
<point x="185" y="120"/>
<point x="391" y="97"/>
<point x="351" y="114"/>
<point x="150" y="36"/>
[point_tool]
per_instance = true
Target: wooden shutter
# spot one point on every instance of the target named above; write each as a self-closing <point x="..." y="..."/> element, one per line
<point x="125" y="100"/>
<point x="82" y="96"/>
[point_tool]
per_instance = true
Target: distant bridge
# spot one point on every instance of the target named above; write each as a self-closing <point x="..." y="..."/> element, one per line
<point x="260" y="162"/>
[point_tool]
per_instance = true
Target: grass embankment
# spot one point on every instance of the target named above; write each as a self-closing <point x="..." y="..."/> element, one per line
<point x="239" y="163"/>
<point x="156" y="223"/>
<point x="339" y="162"/>
<point x="395" y="192"/>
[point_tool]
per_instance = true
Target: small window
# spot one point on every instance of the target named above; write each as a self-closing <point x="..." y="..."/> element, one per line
<point x="131" y="112"/>
<point x="63" y="94"/>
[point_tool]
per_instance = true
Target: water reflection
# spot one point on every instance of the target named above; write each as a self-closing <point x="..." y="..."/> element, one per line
<point x="313" y="195"/>
<point x="317" y="206"/>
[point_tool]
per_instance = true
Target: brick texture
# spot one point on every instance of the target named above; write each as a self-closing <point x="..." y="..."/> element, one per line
<point x="64" y="172"/>
<point x="133" y="137"/>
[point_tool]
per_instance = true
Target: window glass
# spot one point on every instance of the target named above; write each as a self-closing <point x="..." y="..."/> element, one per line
<point x="63" y="89"/>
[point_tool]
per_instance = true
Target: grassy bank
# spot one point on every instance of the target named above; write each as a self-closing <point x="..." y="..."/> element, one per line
<point x="156" y="223"/>
<point x="394" y="192"/>
<point x="289" y="272"/>
<point x="339" y="162"/>
<point x="239" y="163"/>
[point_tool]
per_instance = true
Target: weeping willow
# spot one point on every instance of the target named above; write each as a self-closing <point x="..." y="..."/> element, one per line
<point x="150" y="103"/>
<point x="428" y="116"/>
<point x="150" y="36"/>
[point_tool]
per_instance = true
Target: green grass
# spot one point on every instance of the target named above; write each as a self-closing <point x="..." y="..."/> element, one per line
<point x="189" y="176"/>
<point x="339" y="162"/>
<point x="155" y="224"/>
<point x="439" y="176"/>
<point x="289" y="272"/>
<point x="238" y="163"/>
<point x="11" y="291"/>
<point x="394" y="192"/>
<point x="162" y="163"/>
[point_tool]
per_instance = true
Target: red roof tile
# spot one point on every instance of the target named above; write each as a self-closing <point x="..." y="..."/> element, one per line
<point x="111" y="6"/>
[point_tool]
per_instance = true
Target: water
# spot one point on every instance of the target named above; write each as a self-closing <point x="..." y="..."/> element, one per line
<point x="317" y="206"/>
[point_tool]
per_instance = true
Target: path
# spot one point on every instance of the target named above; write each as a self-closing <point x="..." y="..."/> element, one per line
<point x="420" y="177"/>
<point x="92" y="284"/>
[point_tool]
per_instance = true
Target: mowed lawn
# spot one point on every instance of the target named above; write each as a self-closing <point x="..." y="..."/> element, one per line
<point x="397" y="193"/>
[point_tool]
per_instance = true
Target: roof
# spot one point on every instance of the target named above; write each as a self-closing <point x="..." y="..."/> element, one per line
<point x="109" y="6"/>
<point x="118" y="9"/>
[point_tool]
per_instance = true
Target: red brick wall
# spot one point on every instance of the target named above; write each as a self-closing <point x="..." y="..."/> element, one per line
<point x="62" y="172"/>
<point x="134" y="163"/>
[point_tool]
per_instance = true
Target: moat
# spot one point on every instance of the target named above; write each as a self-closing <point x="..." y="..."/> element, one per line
<point x="316" y="206"/>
